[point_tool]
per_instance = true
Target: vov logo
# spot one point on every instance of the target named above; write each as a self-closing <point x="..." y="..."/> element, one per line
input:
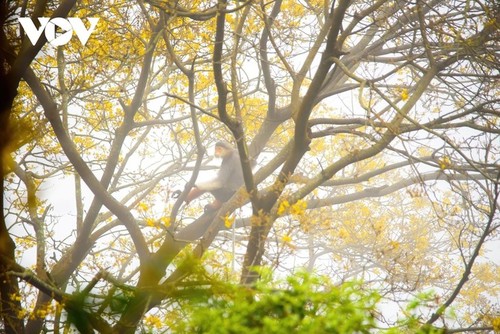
<point x="56" y="37"/>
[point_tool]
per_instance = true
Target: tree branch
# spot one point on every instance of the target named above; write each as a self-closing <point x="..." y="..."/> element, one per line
<point x="468" y="268"/>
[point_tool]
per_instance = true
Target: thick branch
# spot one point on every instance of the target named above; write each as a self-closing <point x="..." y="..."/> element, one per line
<point x="83" y="170"/>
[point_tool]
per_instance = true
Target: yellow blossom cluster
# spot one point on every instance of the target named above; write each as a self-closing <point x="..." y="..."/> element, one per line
<point x="296" y="209"/>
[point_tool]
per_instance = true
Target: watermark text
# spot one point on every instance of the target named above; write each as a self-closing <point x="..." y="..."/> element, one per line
<point x="58" y="30"/>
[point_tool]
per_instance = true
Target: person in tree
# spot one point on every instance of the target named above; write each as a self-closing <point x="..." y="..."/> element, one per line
<point x="229" y="178"/>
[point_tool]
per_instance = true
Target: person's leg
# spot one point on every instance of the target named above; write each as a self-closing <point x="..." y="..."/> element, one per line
<point x="215" y="205"/>
<point x="194" y="193"/>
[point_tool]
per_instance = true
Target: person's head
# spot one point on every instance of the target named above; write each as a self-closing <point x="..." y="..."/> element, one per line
<point x="222" y="149"/>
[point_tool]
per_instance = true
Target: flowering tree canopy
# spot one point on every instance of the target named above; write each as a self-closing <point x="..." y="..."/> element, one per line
<point x="374" y="126"/>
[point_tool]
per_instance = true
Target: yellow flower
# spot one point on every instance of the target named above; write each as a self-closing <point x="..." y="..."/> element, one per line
<point x="15" y="297"/>
<point x="394" y="244"/>
<point x="153" y="321"/>
<point x="150" y="222"/>
<point x="298" y="208"/>
<point x="404" y="94"/>
<point x="284" y="205"/>
<point x="143" y="206"/>
<point x="165" y="221"/>
<point x="228" y="221"/>
<point x="495" y="322"/>
<point x="343" y="233"/>
<point x="444" y="162"/>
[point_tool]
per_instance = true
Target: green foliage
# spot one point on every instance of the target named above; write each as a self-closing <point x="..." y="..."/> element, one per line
<point x="302" y="304"/>
<point x="119" y="301"/>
